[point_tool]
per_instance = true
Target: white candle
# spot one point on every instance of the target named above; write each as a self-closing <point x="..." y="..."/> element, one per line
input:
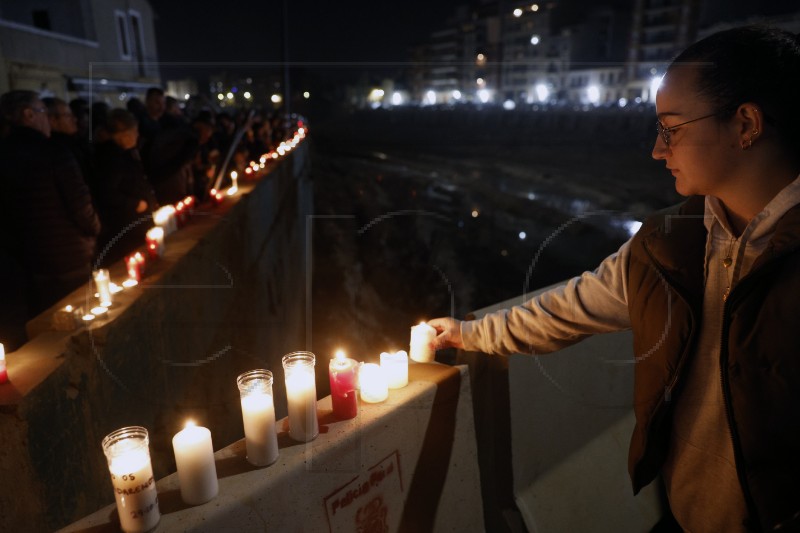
<point x="128" y="458"/>
<point x="166" y="219"/>
<point x="396" y="367"/>
<point x="421" y="337"/>
<point x="301" y="394"/>
<point x="258" y="415"/>
<point x="373" y="382"/>
<point x="103" y="283"/>
<point x="194" y="457"/>
<point x="234" y="183"/>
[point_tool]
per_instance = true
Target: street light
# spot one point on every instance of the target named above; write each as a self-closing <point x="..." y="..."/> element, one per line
<point x="542" y="92"/>
<point x="593" y="93"/>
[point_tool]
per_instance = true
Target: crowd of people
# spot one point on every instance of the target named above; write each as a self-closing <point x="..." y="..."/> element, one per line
<point x="80" y="182"/>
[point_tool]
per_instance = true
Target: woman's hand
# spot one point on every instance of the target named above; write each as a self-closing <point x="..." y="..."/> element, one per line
<point x="448" y="333"/>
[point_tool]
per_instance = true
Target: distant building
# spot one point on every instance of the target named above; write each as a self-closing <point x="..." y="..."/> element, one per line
<point x="567" y="53"/>
<point x="519" y="51"/>
<point x="101" y="50"/>
<point x="534" y="54"/>
<point x="661" y="29"/>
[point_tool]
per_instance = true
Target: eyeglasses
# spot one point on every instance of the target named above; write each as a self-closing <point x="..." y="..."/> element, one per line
<point x="666" y="133"/>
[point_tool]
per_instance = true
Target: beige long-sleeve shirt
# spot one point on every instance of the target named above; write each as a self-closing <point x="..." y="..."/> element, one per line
<point x="700" y="472"/>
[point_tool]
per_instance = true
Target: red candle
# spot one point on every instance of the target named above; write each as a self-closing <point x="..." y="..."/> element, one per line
<point x="189" y="203"/>
<point x="216" y="197"/>
<point x="3" y="371"/>
<point x="343" y="373"/>
<point x="155" y="242"/>
<point x="180" y="213"/>
<point x="135" y="266"/>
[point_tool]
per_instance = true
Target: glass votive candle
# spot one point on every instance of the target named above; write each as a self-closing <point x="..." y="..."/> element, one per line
<point x="373" y="383"/>
<point x="128" y="454"/>
<point x="258" y="415"/>
<point x="301" y="395"/>
<point x="102" y="282"/>
<point x="396" y="367"/>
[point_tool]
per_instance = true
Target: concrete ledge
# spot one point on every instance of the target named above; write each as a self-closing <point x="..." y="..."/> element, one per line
<point x="571" y="421"/>
<point x="408" y="464"/>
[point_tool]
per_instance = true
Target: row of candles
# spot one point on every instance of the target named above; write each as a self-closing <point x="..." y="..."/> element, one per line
<point x="167" y="220"/>
<point x="127" y="449"/>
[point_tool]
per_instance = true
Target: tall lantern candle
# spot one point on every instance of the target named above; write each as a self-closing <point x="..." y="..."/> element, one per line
<point x="128" y="458"/>
<point x="343" y="373"/>
<point x="3" y="370"/>
<point x="194" y="457"/>
<point x="258" y="415"/>
<point x="421" y="338"/>
<point x="396" y="367"/>
<point x="103" y="283"/>
<point x="301" y="393"/>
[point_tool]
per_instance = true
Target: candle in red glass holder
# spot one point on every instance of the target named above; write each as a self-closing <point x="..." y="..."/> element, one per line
<point x="135" y="265"/>
<point x="189" y="203"/>
<point x="216" y="197"/>
<point x="343" y="373"/>
<point x="155" y="242"/>
<point x="3" y="371"/>
<point x="180" y="213"/>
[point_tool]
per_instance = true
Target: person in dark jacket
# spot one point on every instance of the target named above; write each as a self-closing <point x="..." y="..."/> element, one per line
<point x="64" y="131"/>
<point x="125" y="198"/>
<point x="49" y="224"/>
<point x="168" y="149"/>
<point x="709" y="289"/>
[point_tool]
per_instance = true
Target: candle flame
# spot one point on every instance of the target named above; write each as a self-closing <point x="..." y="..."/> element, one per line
<point x="68" y="309"/>
<point x="234" y="174"/>
<point x="340" y="354"/>
<point x="190" y="424"/>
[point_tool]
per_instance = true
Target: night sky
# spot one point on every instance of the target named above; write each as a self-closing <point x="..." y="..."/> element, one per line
<point x="320" y="33"/>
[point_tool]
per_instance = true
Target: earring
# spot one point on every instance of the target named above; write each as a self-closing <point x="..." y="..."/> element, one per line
<point x="747" y="143"/>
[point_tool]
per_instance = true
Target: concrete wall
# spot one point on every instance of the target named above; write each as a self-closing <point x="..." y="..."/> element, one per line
<point x="571" y="418"/>
<point x="227" y="297"/>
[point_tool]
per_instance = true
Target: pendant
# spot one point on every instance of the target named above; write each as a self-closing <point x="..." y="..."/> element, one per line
<point x="727" y="262"/>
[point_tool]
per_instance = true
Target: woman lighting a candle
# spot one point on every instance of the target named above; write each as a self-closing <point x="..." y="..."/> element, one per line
<point x="708" y="288"/>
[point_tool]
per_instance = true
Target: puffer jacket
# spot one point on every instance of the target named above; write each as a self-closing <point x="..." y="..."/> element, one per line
<point x="759" y="363"/>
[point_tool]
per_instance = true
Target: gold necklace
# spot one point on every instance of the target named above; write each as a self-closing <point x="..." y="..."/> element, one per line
<point x="727" y="262"/>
